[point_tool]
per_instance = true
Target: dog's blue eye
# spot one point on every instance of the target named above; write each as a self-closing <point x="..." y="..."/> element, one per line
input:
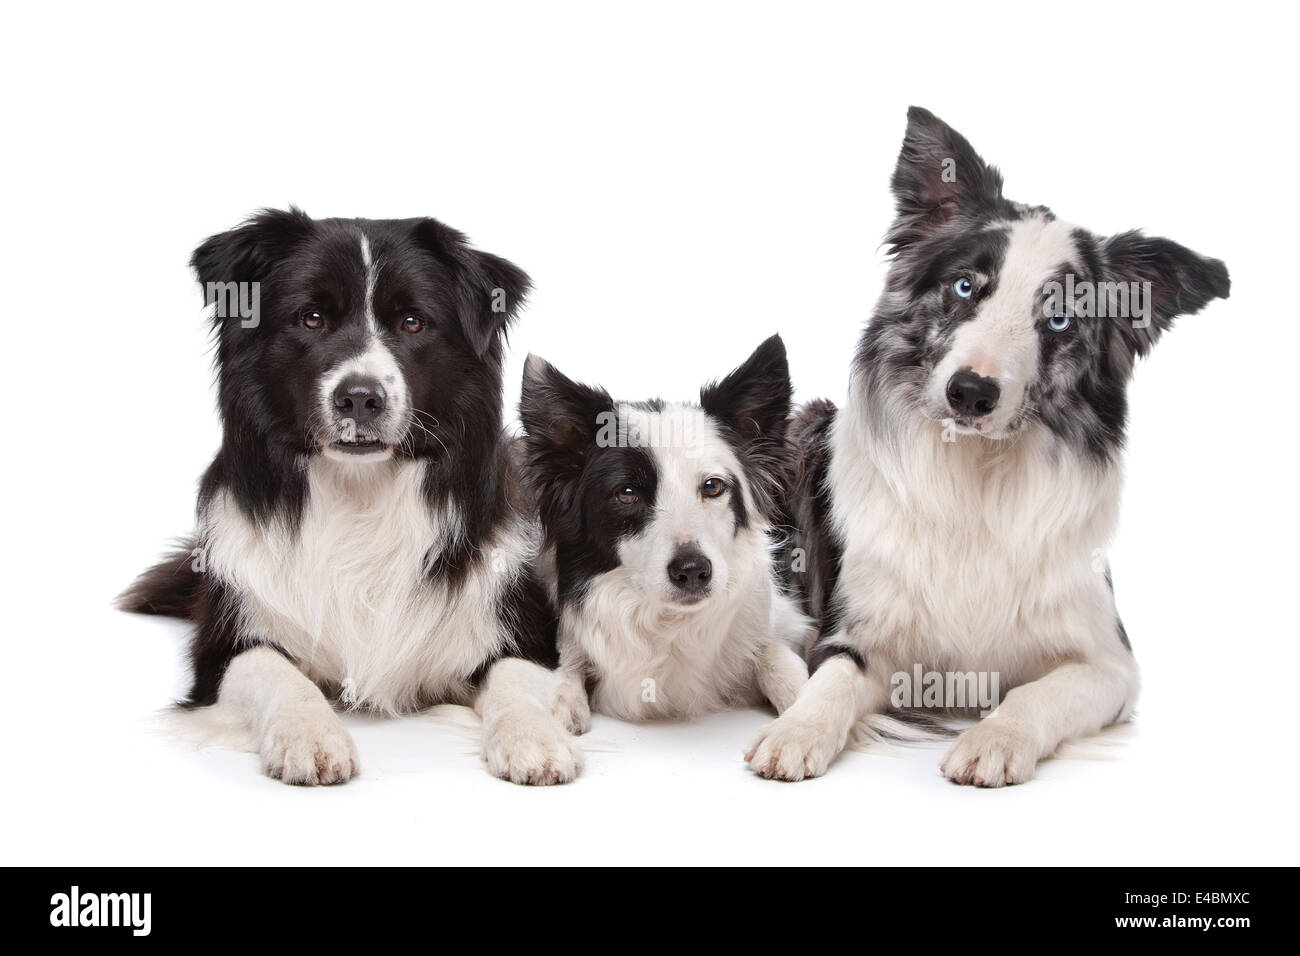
<point x="964" y="288"/>
<point x="1058" y="323"/>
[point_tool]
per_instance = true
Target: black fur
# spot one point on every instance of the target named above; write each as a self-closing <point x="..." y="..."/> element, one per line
<point x="811" y="558"/>
<point x="268" y="376"/>
<point x="939" y="182"/>
<point x="575" y="478"/>
<point x="825" y="650"/>
<point x="170" y="588"/>
<point x="752" y="404"/>
<point x="575" y="481"/>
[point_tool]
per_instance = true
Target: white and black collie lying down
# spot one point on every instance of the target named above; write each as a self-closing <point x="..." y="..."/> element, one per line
<point x="955" y="510"/>
<point x="362" y="533"/>
<point x="658" y="541"/>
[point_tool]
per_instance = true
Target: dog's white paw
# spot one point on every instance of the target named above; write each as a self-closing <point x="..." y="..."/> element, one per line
<point x="309" y="748"/>
<point x="993" y="753"/>
<point x="571" y="708"/>
<point x="792" y="748"/>
<point x="531" y="749"/>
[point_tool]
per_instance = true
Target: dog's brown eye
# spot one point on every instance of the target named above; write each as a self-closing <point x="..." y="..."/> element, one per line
<point x="313" y="320"/>
<point x="412" y="324"/>
<point x="713" y="487"/>
<point x="626" y="496"/>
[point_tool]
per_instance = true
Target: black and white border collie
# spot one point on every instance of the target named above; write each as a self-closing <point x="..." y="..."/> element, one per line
<point x="658" y="522"/>
<point x="957" y="508"/>
<point x="362" y="535"/>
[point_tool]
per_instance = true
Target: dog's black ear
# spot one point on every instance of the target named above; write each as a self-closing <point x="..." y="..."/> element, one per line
<point x="1161" y="281"/>
<point x="754" y="403"/>
<point x="243" y="254"/>
<point x="754" y="400"/>
<point x="938" y="176"/>
<point x="561" y="420"/>
<point x="487" y="291"/>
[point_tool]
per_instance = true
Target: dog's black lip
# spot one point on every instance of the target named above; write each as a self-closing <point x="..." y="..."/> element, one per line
<point x="358" y="447"/>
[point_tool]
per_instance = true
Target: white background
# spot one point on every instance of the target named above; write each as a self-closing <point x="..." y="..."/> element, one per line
<point x="680" y="181"/>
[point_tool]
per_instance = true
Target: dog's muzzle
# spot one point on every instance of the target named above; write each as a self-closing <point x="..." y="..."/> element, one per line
<point x="361" y="415"/>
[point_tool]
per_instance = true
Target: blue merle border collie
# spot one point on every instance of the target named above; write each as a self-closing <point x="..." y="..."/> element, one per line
<point x="363" y="536"/>
<point x="955" y="510"/>
<point x="658" y="519"/>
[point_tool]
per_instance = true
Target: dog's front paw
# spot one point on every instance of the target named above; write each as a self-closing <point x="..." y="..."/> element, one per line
<point x="993" y="753"/>
<point x="310" y="748"/>
<point x="792" y="748"/>
<point x="571" y="708"/>
<point x="531" y="749"/>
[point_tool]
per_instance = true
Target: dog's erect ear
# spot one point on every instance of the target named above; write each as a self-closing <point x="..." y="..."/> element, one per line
<point x="1161" y="280"/>
<point x="243" y="254"/>
<point x="487" y="291"/>
<point x="561" y="419"/>
<point x="754" y="400"/>
<point x="938" y="176"/>
<point x="558" y="412"/>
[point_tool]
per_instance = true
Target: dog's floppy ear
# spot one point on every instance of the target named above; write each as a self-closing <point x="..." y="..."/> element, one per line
<point x="938" y="176"/>
<point x="244" y="253"/>
<point x="487" y="291"/>
<point x="561" y="419"/>
<point x="754" y="403"/>
<point x="1162" y="280"/>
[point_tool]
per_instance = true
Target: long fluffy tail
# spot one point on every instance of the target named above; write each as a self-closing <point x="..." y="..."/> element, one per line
<point x="169" y="588"/>
<point x="904" y="726"/>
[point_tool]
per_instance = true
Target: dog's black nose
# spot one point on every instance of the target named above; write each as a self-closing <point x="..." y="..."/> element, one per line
<point x="972" y="395"/>
<point x="690" y="570"/>
<point x="360" y="399"/>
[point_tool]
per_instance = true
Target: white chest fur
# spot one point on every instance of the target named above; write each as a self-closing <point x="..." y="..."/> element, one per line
<point x="346" y="595"/>
<point x="973" y="555"/>
<point x="650" y="662"/>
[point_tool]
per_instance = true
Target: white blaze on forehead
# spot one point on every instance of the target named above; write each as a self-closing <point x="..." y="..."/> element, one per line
<point x="1001" y="341"/>
<point x="375" y="361"/>
<point x="368" y="260"/>
<point x="1036" y="250"/>
<point x="687" y="448"/>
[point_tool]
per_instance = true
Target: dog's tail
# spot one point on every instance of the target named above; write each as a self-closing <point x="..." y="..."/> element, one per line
<point x="904" y="726"/>
<point x="170" y="588"/>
